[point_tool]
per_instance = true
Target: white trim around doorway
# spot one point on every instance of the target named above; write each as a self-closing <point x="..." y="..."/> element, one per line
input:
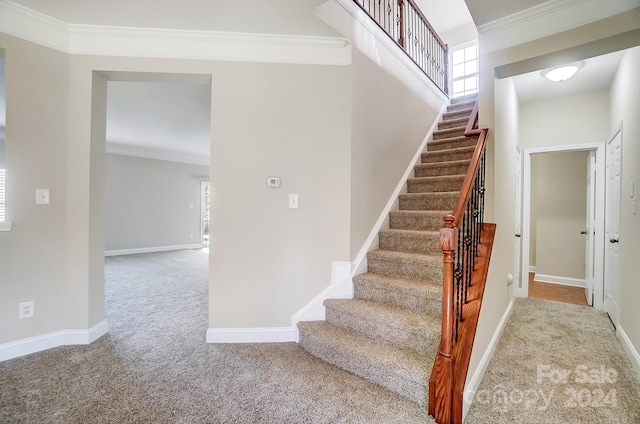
<point x="599" y="148"/>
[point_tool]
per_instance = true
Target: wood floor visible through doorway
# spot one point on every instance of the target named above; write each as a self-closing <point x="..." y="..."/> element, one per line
<point x="557" y="292"/>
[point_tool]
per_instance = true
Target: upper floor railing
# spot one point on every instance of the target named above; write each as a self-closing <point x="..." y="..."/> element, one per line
<point x="403" y="21"/>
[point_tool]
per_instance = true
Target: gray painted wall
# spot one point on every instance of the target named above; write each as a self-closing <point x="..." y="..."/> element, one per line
<point x="558" y="213"/>
<point x="147" y="202"/>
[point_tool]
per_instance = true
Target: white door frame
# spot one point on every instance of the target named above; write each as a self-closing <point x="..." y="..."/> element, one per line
<point x="599" y="148"/>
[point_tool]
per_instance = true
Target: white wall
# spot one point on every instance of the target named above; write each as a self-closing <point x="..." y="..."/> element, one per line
<point x="559" y="205"/>
<point x="393" y="106"/>
<point x="389" y="124"/>
<point x="147" y="202"/>
<point x="564" y="121"/>
<point x="625" y="108"/>
<point x="32" y="255"/>
<point x="267" y="119"/>
<point x="576" y="44"/>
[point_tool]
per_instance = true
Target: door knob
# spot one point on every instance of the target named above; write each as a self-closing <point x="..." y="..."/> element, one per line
<point x="583" y="232"/>
<point x="614" y="240"/>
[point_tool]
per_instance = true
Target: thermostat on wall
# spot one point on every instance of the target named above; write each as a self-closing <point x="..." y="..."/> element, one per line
<point x="273" y="182"/>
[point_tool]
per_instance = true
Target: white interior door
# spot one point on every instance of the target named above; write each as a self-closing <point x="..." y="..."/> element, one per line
<point x="612" y="227"/>
<point x="590" y="229"/>
<point x="517" y="247"/>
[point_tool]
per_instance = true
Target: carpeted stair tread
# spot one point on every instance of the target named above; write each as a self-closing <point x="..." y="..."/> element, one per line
<point x="417" y="220"/>
<point x="435" y="184"/>
<point x="461" y="153"/>
<point x="454" y="122"/>
<point x="416" y="296"/>
<point x="439" y="134"/>
<point x="412" y="266"/>
<point x="423" y="242"/>
<point x="397" y="326"/>
<point x="436" y="169"/>
<point x="451" y="143"/>
<point x="442" y="200"/>
<point x="401" y="371"/>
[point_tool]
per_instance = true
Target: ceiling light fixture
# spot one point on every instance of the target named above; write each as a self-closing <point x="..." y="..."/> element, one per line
<point x="561" y="73"/>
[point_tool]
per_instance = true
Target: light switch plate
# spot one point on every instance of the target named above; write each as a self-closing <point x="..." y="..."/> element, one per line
<point x="42" y="196"/>
<point x="293" y="201"/>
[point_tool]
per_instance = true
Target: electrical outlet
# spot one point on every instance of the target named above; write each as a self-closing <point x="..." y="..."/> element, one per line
<point x="26" y="309"/>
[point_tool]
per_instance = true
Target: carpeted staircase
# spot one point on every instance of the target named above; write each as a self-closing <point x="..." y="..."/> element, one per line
<point x="389" y="333"/>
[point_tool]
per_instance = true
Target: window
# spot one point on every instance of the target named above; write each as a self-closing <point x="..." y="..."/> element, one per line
<point x="464" y="69"/>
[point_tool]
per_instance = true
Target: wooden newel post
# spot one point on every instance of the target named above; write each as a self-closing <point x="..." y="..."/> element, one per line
<point x="441" y="382"/>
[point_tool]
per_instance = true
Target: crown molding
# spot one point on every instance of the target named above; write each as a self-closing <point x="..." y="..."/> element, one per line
<point x="27" y="24"/>
<point x="546" y="19"/>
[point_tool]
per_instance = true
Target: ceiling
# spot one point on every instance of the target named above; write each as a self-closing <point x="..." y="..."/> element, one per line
<point x="163" y="120"/>
<point x="595" y="74"/>
<point x="172" y="119"/>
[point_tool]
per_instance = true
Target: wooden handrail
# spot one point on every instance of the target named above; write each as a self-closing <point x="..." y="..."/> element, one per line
<point x="463" y="284"/>
<point x="471" y="129"/>
<point x="467" y="183"/>
<point x="408" y="27"/>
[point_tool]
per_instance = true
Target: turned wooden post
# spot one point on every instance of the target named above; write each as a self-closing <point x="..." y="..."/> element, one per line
<point x="441" y="382"/>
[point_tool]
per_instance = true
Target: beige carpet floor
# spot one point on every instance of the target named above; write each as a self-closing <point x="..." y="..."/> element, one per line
<point x="557" y="363"/>
<point x="155" y="367"/>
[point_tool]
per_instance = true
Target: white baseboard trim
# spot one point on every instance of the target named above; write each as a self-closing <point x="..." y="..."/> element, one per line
<point x="250" y="335"/>
<point x="50" y="340"/>
<point x="152" y="249"/>
<point x="371" y="243"/>
<point x="532" y="268"/>
<point x="472" y="384"/>
<point x="629" y="348"/>
<point x="564" y="281"/>
<point x="341" y="287"/>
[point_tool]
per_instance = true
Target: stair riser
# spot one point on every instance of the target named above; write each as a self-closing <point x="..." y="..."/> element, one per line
<point x="426" y="244"/>
<point x="444" y="156"/>
<point x="452" y="143"/>
<point x="449" y="133"/>
<point x="411" y="269"/>
<point x="428" y="201"/>
<point x="401" y="336"/>
<point x="431" y="185"/>
<point x="400" y="221"/>
<point x="414" y="301"/>
<point x="415" y="391"/>
<point x="438" y="170"/>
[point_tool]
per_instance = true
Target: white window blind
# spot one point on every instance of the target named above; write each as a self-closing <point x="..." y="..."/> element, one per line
<point x="2" y="195"/>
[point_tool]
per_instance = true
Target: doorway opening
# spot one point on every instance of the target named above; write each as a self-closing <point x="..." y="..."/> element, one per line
<point x="554" y="242"/>
<point x="157" y="134"/>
